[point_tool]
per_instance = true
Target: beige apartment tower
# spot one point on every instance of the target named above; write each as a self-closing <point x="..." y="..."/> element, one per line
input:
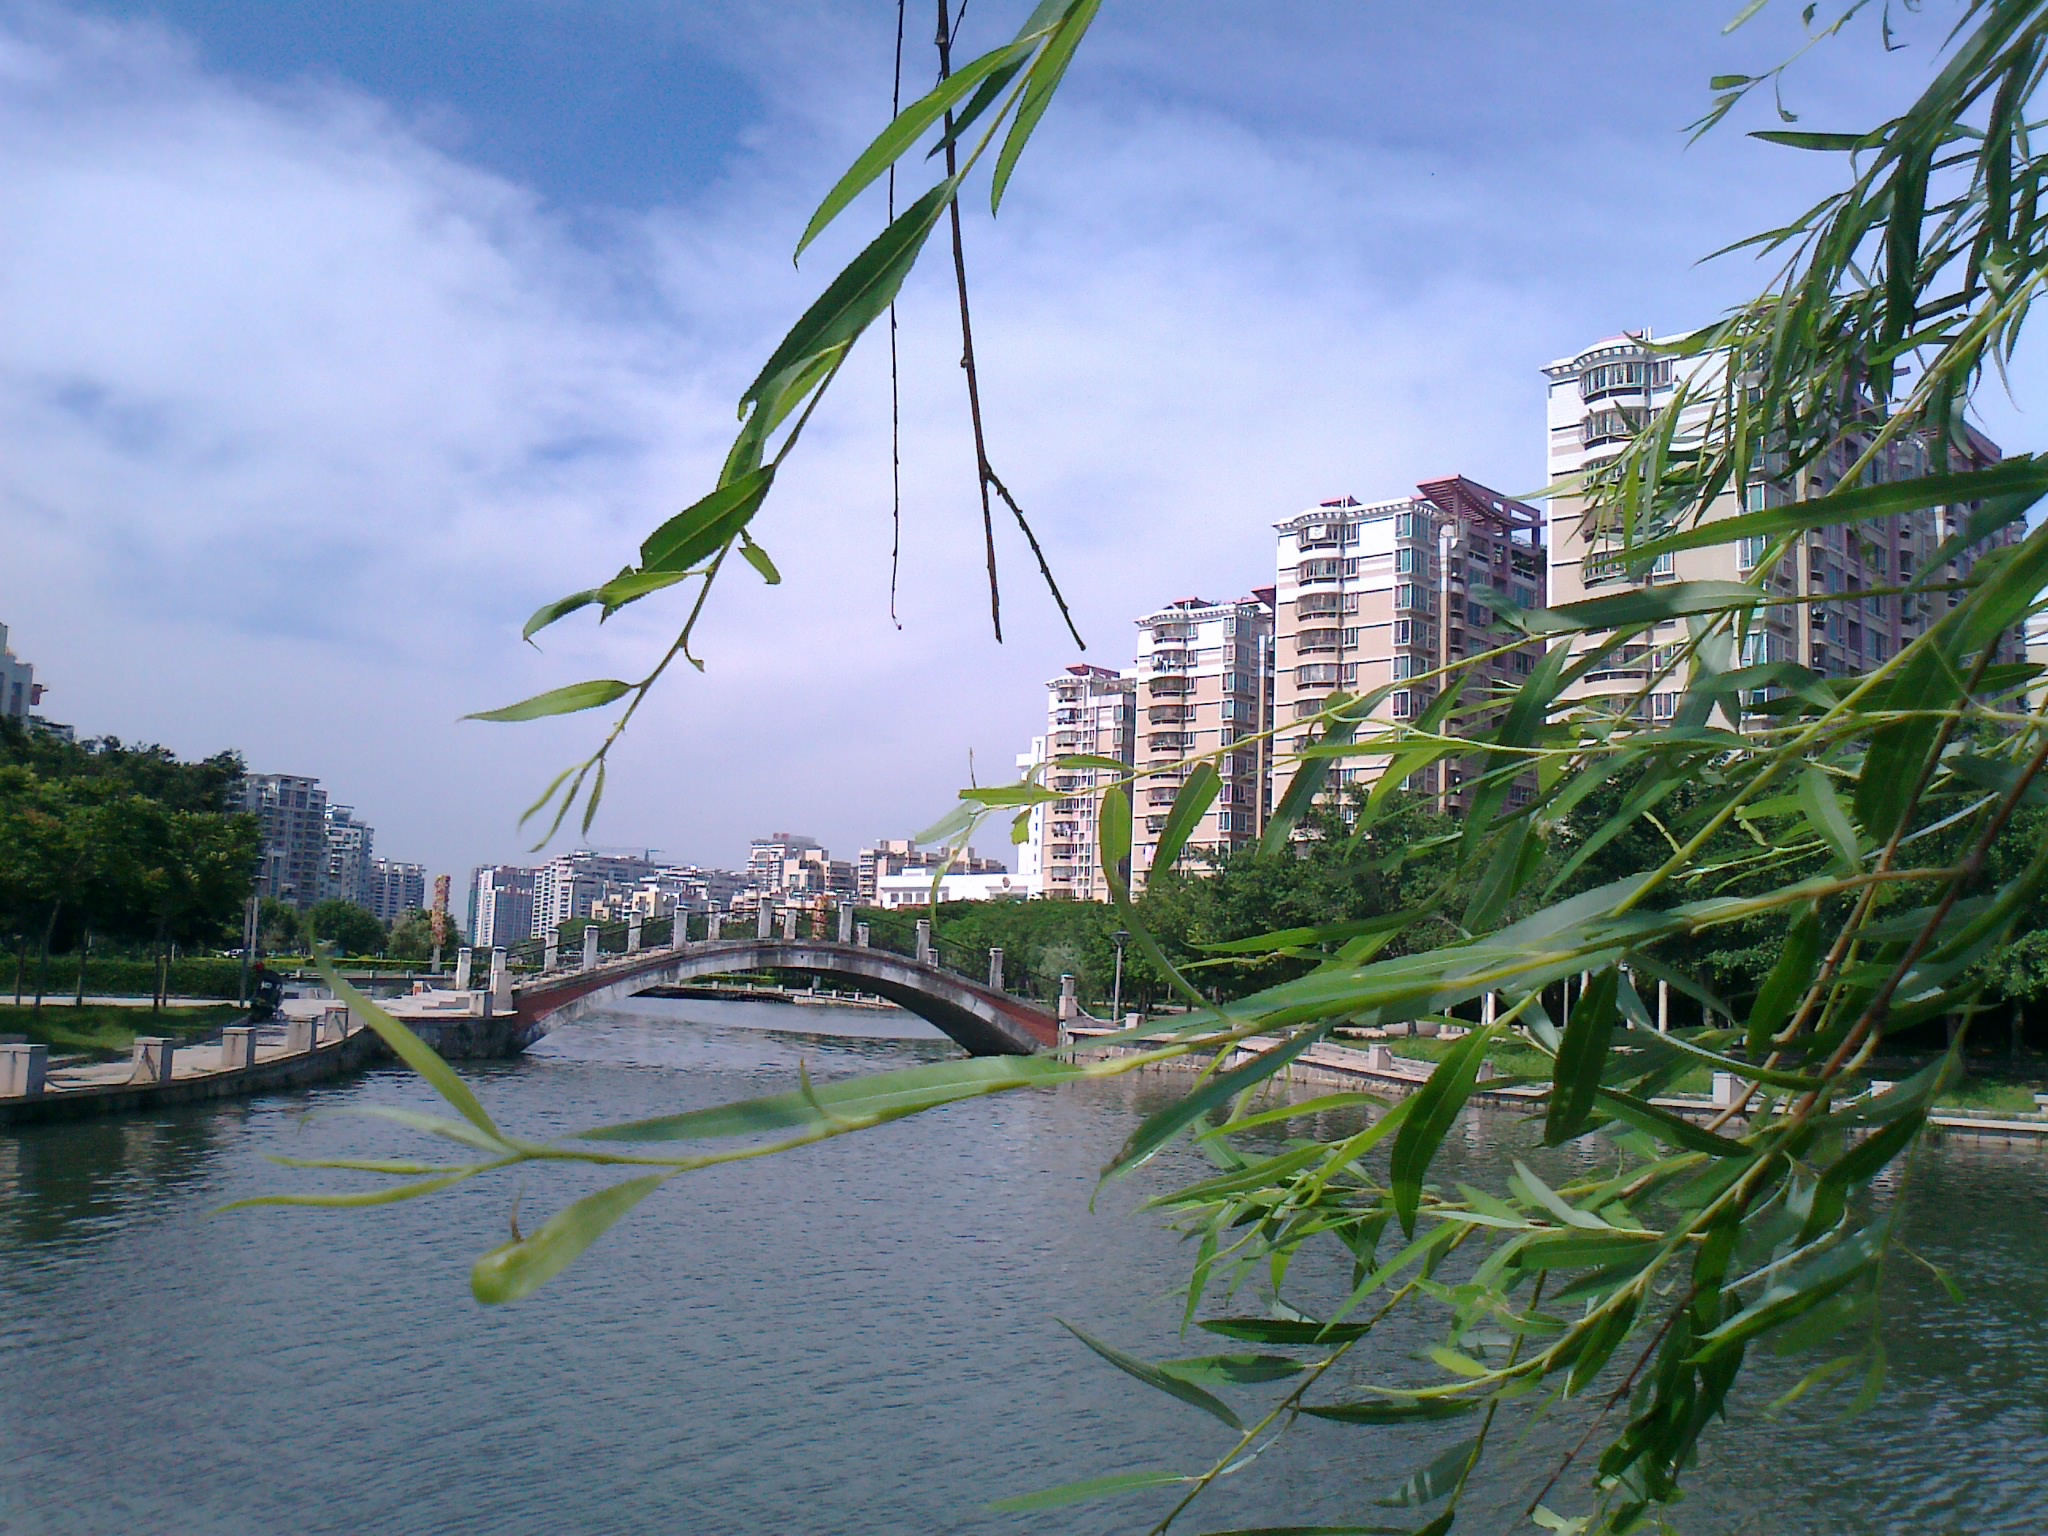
<point x="1597" y="401"/>
<point x="1089" y="712"/>
<point x="1374" y="594"/>
<point x="1204" y="683"/>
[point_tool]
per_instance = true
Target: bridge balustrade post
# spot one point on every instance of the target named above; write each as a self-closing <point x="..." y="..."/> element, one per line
<point x="764" y="919"/>
<point x="860" y="935"/>
<point x="633" y="933"/>
<point x="237" y="1047"/>
<point x="153" y="1055"/>
<point x="846" y="922"/>
<point x="1070" y="1004"/>
<point x="501" y="982"/>
<point x="995" y="967"/>
<point x="590" y="947"/>
<point x="679" y="927"/>
<point x="924" y="941"/>
<point x="23" y="1069"/>
<point x="789" y="925"/>
<point x="551" y="956"/>
<point x="464" y="959"/>
<point x="712" y="923"/>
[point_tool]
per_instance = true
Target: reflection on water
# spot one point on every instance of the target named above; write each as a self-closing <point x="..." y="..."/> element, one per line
<point x="863" y="1336"/>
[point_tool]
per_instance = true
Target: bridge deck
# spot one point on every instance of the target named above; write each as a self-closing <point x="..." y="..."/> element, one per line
<point x="982" y="1019"/>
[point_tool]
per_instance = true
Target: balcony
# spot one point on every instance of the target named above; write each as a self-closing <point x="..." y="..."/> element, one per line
<point x="1611" y="424"/>
<point x="1170" y="741"/>
<point x="1310" y="642"/>
<point x="1163" y="634"/>
<point x="1170" y="714"/>
<point x="1312" y="605"/>
<point x="1626" y="376"/>
<point x="1172" y="661"/>
<point x="1319" y="570"/>
<point x="1169" y="687"/>
<point x="1161" y="794"/>
<point x="1316" y="675"/>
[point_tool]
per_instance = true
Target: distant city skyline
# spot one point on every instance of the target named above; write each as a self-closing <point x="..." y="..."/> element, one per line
<point x="1250" y="264"/>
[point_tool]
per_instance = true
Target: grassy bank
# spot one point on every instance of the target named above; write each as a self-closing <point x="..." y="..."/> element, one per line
<point x="104" y="1031"/>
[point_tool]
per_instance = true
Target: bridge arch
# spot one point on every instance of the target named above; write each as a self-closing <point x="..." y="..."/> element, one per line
<point x="980" y="1019"/>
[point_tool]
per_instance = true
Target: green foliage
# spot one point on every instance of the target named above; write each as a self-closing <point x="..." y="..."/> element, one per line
<point x="280" y="927"/>
<point x="412" y="938"/>
<point x="1812" y="865"/>
<point x="1012" y="84"/>
<point x="351" y="929"/>
<point x="116" y="844"/>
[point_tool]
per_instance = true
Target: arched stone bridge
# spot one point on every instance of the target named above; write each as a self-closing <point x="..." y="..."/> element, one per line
<point x="982" y="1020"/>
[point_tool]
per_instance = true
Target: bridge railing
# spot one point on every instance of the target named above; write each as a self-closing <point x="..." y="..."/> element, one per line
<point x="895" y="932"/>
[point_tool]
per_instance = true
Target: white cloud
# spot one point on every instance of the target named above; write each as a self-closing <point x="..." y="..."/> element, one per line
<point x="301" y="415"/>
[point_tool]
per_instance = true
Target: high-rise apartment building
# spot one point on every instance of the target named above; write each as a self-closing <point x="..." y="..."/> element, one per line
<point x="791" y="868"/>
<point x="890" y="856"/>
<point x="771" y="859"/>
<point x="396" y="889"/>
<point x="1596" y="402"/>
<point x="291" y="816"/>
<point x="346" y="873"/>
<point x="1091" y="712"/>
<point x="1375" y="597"/>
<point x="19" y="691"/>
<point x="1204" y="678"/>
<point x="500" y="905"/>
<point x="569" y="886"/>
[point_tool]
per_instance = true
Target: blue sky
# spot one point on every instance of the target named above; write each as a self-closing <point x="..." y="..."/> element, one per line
<point x="341" y="336"/>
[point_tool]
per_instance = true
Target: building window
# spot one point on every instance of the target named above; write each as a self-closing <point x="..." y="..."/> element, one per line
<point x="1663" y="705"/>
<point x="1403" y="704"/>
<point x="1349" y="674"/>
<point x="1479" y="614"/>
<point x="1749" y="551"/>
<point x="1404" y="667"/>
<point x="1407" y="597"/>
<point x="1404" y="559"/>
<point x="1351" y="637"/>
<point x="1404" y="631"/>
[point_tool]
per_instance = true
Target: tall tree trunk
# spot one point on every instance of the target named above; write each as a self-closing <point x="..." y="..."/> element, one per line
<point x="161" y="956"/>
<point x="43" y="955"/>
<point x="84" y="950"/>
<point x="20" y="965"/>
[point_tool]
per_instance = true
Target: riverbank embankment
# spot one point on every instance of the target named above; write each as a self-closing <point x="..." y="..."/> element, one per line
<point x="1378" y="1069"/>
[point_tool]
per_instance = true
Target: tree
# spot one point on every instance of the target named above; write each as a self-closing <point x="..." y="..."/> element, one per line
<point x="1875" y="815"/>
<point x="280" y="928"/>
<point x="412" y="937"/>
<point x="353" y="930"/>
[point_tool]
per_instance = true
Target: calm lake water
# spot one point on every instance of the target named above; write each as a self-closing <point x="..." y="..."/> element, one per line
<point x="860" y="1337"/>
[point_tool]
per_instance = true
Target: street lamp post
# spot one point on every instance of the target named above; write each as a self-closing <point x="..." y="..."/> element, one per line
<point x="1116" y="997"/>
